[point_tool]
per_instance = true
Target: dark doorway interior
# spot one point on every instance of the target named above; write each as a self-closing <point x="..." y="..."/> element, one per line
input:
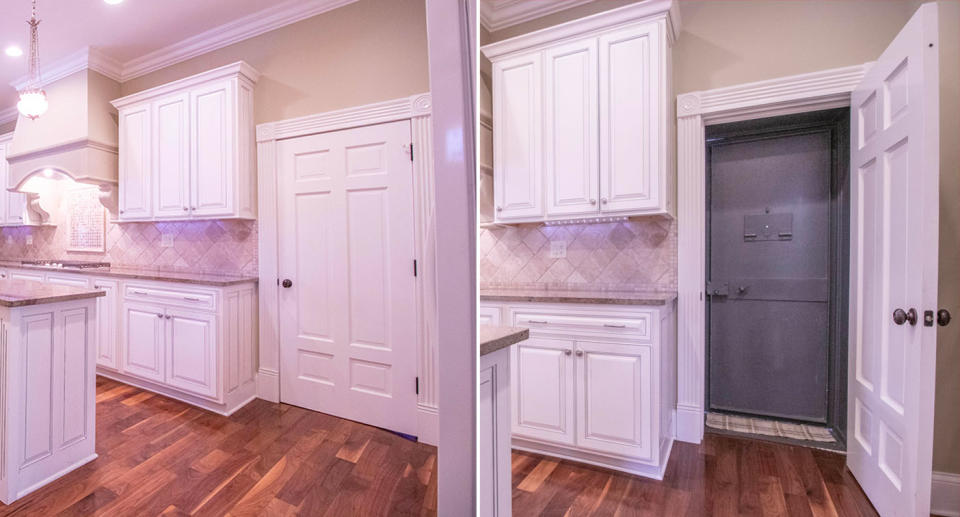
<point x="777" y="269"/>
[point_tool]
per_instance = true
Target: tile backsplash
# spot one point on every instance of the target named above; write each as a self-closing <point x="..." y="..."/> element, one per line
<point x="632" y="255"/>
<point x="217" y="246"/>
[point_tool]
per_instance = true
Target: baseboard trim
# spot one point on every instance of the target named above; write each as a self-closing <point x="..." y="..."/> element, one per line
<point x="945" y="494"/>
<point x="268" y="385"/>
<point x="428" y="425"/>
<point x="690" y="424"/>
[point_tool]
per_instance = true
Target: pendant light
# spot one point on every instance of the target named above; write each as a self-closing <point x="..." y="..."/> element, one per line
<point x="33" y="100"/>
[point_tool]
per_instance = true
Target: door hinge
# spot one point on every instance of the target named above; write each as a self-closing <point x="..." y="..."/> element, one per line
<point x="418" y="385"/>
<point x="414" y="267"/>
<point x="278" y="281"/>
<point x="411" y="151"/>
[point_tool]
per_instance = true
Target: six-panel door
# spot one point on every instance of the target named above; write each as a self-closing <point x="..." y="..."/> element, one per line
<point x="134" y="171"/>
<point x="171" y="162"/>
<point x="143" y="329"/>
<point x="543" y="389"/>
<point x="192" y="352"/>
<point x="570" y="129"/>
<point x="518" y="150"/>
<point x="615" y="399"/>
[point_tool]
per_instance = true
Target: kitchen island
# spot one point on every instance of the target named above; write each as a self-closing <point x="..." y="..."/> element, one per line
<point x="48" y="381"/>
<point x="493" y="415"/>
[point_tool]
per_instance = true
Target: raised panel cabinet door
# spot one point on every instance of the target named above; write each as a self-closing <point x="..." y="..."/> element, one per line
<point x="15" y="206"/>
<point x="487" y="315"/>
<point x="171" y="162"/>
<point x="543" y="384"/>
<point x="192" y="352"/>
<point x="517" y="139"/>
<point x="631" y="166"/>
<point x="615" y="413"/>
<point x="571" y="141"/>
<point x="107" y="332"/>
<point x="142" y="341"/>
<point x="135" y="164"/>
<point x="213" y="154"/>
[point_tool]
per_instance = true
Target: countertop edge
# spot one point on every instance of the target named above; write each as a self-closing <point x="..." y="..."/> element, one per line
<point x="512" y="336"/>
<point x="155" y="276"/>
<point x="586" y="298"/>
<point x="51" y="299"/>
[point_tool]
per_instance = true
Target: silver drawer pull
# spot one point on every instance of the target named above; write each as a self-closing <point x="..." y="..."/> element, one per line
<point x="538" y="321"/>
<point x="134" y="291"/>
<point x="612" y="326"/>
<point x="191" y="298"/>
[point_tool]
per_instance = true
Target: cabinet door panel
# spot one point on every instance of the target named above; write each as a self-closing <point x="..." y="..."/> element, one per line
<point x="192" y="352"/>
<point x="630" y="117"/>
<point x="487" y="315"/>
<point x="172" y="159"/>
<point x="142" y="341"/>
<point x="614" y="399"/>
<point x="135" y="147"/>
<point x="212" y="154"/>
<point x="571" y="141"/>
<point x="517" y="147"/>
<point x="543" y="384"/>
<point x="26" y="275"/>
<point x="107" y="351"/>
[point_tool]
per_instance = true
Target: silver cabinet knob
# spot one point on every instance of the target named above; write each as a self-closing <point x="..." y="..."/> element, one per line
<point x="567" y="352"/>
<point x="160" y="316"/>
<point x="168" y="317"/>
<point x="121" y="210"/>
<point x="593" y="201"/>
<point x="603" y="200"/>
<point x="579" y="353"/>
<point x="185" y="209"/>
<point x="499" y="209"/>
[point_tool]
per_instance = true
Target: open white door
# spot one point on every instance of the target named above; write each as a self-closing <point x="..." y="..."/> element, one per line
<point x="893" y="270"/>
<point x="347" y="306"/>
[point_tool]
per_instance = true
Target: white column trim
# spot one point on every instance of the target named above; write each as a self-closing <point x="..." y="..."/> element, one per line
<point x="695" y="110"/>
<point x="418" y="110"/>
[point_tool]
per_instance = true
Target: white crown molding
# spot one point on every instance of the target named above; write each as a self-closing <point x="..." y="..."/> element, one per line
<point x="266" y="20"/>
<point x="945" y="494"/>
<point x="240" y="68"/>
<point x="695" y="110"/>
<point x="640" y="11"/>
<point x="9" y="115"/>
<point x="500" y="14"/>
<point x="83" y="59"/>
<point x="781" y="93"/>
<point x="378" y="113"/>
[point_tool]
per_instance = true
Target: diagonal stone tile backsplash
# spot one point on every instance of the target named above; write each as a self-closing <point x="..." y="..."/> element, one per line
<point x="216" y="246"/>
<point x="633" y="255"/>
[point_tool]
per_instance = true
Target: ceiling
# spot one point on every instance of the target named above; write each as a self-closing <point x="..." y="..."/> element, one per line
<point x="136" y="28"/>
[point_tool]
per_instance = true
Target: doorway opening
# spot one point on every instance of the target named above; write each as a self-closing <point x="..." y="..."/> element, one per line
<point x="777" y="221"/>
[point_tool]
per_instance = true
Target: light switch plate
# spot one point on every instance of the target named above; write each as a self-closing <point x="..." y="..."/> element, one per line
<point x="9" y="239"/>
<point x="166" y="240"/>
<point x="558" y="249"/>
<point x="29" y="240"/>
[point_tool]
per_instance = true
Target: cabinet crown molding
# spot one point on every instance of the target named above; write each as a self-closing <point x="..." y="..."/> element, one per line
<point x="648" y="10"/>
<point x="240" y="68"/>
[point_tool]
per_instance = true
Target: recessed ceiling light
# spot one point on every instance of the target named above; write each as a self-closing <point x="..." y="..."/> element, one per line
<point x="113" y="2"/>
<point x="13" y="51"/>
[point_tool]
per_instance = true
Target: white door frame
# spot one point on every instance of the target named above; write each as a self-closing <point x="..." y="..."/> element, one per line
<point x="417" y="109"/>
<point x="695" y="110"/>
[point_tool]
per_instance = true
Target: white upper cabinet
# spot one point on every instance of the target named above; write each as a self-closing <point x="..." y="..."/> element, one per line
<point x="13" y="205"/>
<point x="187" y="148"/>
<point x="582" y="117"/>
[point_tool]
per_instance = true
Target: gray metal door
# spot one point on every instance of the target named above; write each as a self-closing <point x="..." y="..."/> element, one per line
<point x="769" y="274"/>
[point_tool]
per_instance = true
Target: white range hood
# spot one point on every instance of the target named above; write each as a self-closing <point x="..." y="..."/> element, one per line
<point x="76" y="137"/>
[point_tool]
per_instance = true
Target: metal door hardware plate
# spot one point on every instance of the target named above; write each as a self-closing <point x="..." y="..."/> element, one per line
<point x="768" y="227"/>
<point x="718" y="289"/>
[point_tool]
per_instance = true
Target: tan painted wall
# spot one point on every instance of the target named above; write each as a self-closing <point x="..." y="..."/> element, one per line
<point x="728" y="42"/>
<point x="365" y="52"/>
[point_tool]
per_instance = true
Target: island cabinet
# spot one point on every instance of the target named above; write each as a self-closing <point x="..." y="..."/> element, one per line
<point x="47" y="384"/>
<point x="187" y="148"/>
<point x="582" y="118"/>
<point x="594" y="383"/>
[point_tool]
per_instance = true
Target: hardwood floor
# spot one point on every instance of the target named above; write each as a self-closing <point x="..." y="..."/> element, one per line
<point x="724" y="476"/>
<point x="162" y="457"/>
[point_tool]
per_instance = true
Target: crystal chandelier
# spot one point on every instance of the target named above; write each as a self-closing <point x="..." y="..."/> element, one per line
<point x="33" y="100"/>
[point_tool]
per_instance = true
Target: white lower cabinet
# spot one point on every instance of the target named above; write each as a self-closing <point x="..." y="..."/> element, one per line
<point x="107" y="324"/>
<point x="143" y="341"/>
<point x="595" y="383"/>
<point x="192" y="352"/>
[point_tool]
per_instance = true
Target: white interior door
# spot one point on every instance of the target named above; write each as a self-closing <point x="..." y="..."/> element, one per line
<point x="893" y="267"/>
<point x="348" y="335"/>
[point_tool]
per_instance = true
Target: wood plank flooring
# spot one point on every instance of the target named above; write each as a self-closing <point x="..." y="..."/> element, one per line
<point x="159" y="456"/>
<point x="723" y="476"/>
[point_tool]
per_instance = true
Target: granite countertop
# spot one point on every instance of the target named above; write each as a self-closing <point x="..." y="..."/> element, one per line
<point x="186" y="277"/>
<point x="20" y="293"/>
<point x="571" y="296"/>
<point x="493" y="338"/>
